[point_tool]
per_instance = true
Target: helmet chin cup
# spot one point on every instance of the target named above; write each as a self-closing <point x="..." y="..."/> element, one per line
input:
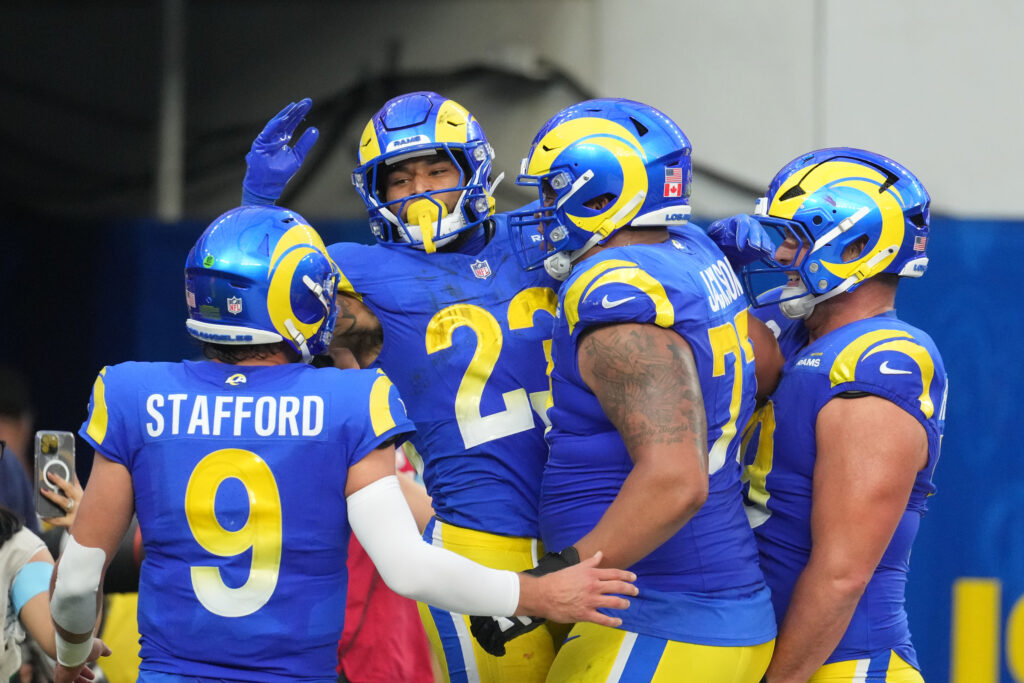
<point x="426" y="214"/>
<point x="558" y="265"/>
<point x="799" y="307"/>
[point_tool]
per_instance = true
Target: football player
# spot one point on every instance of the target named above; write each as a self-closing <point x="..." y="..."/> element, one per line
<point x="441" y="304"/>
<point x="247" y="471"/>
<point x="653" y="374"/>
<point x="839" y="462"/>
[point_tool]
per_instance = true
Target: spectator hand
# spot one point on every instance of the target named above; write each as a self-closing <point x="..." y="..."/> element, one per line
<point x="493" y="632"/>
<point x="68" y="499"/>
<point x="271" y="163"/>
<point x="742" y="239"/>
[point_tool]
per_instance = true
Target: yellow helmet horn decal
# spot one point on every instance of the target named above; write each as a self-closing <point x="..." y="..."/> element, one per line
<point x="452" y="123"/>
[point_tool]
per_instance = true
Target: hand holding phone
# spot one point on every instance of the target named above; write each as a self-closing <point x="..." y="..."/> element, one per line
<point x="55" y="452"/>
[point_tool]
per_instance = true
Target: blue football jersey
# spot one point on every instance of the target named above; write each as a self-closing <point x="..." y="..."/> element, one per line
<point x="703" y="585"/>
<point x="467" y="342"/>
<point x="239" y="477"/>
<point x="883" y="356"/>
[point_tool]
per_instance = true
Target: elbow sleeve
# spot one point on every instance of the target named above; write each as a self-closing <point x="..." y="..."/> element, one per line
<point x="73" y="604"/>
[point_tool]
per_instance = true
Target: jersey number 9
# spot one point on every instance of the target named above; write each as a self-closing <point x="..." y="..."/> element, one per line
<point x="261" y="532"/>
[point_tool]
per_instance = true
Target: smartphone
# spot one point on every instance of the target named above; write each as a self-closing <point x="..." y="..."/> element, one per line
<point x="55" y="452"/>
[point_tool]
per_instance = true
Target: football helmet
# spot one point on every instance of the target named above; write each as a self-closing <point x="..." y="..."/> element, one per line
<point x="599" y="166"/>
<point x="424" y="124"/>
<point x="830" y="199"/>
<point x="260" y="275"/>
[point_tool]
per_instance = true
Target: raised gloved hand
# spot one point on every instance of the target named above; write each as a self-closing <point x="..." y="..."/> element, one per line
<point x="493" y="632"/>
<point x="271" y="163"/>
<point x="742" y="239"/>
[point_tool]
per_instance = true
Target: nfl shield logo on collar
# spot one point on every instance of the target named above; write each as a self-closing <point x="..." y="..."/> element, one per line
<point x="235" y="305"/>
<point x="481" y="269"/>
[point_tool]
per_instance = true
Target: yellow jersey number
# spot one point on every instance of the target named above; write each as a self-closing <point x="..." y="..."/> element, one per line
<point x="756" y="473"/>
<point x="729" y="340"/>
<point x="261" y="532"/>
<point x="517" y="416"/>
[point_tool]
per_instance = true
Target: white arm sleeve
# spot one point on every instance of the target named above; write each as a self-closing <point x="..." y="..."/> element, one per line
<point x="384" y="525"/>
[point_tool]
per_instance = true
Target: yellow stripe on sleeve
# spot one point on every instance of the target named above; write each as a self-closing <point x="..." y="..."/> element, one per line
<point x="844" y="367"/>
<point x="345" y="286"/>
<point x="97" y="428"/>
<point x="381" y="418"/>
<point x="575" y="293"/>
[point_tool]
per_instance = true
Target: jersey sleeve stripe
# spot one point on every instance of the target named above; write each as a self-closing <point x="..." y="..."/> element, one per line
<point x="97" y="428"/>
<point x="924" y="361"/>
<point x="844" y="368"/>
<point x="580" y="286"/>
<point x="381" y="418"/>
<point x="345" y="286"/>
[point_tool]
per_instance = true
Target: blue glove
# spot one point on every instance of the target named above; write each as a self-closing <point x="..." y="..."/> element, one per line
<point x="271" y="163"/>
<point x="742" y="239"/>
<point x="493" y="632"/>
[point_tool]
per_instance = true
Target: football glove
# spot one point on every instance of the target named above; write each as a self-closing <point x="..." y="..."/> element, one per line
<point x="271" y="163"/>
<point x="742" y="239"/>
<point x="493" y="632"/>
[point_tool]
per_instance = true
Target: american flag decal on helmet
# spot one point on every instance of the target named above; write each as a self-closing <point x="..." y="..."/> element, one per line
<point x="919" y="243"/>
<point x="673" y="182"/>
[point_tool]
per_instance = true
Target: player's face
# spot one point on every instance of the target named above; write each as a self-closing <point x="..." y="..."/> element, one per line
<point x="791" y="250"/>
<point x="423" y="174"/>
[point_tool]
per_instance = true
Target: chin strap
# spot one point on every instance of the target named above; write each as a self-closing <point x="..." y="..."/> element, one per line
<point x="802" y="307"/>
<point x="299" y="339"/>
<point x="559" y="265"/>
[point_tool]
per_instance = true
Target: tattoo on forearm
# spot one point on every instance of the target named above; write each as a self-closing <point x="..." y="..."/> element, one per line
<point x="648" y="385"/>
<point x="357" y="330"/>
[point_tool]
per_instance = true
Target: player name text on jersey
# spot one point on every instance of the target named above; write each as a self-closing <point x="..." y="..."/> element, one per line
<point x="177" y="414"/>
<point x="722" y="285"/>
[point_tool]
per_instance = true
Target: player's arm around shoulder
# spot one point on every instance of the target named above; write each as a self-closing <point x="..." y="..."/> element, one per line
<point x="384" y="525"/>
<point x="869" y="453"/>
<point x="357" y="331"/>
<point x="646" y="380"/>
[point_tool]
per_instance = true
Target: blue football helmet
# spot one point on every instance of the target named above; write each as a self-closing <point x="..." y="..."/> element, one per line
<point x="424" y="124"/>
<point x="599" y="166"/>
<point x="830" y="199"/>
<point x="260" y="275"/>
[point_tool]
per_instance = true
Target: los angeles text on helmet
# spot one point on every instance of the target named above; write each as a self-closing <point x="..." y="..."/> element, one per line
<point x="175" y="414"/>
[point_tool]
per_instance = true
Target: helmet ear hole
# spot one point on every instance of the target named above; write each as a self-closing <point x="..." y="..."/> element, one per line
<point x="854" y="249"/>
<point x="600" y="201"/>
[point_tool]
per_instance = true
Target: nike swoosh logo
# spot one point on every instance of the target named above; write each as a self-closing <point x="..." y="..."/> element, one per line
<point x="618" y="302"/>
<point x="569" y="638"/>
<point x="886" y="370"/>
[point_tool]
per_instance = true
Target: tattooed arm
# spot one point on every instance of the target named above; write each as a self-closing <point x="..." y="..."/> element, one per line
<point x="646" y="380"/>
<point x="356" y="330"/>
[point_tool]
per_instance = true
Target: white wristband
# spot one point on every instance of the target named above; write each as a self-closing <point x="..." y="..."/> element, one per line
<point x="72" y="654"/>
